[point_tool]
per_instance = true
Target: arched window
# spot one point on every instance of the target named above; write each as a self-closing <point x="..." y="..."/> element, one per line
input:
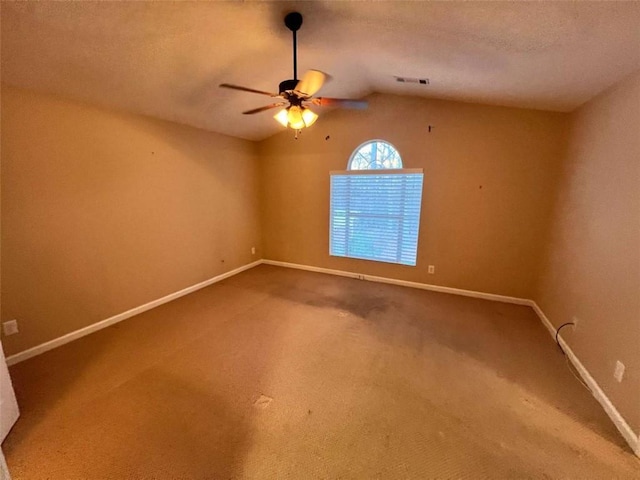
<point x="375" y="206"/>
<point x="375" y="155"/>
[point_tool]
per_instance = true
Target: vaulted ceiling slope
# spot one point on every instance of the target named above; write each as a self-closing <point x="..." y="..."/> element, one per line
<point x="166" y="59"/>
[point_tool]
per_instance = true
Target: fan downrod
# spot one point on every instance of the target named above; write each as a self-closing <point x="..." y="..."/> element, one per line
<point x="293" y="21"/>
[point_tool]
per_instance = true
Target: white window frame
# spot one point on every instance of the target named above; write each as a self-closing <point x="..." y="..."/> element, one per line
<point x="375" y="140"/>
<point x="378" y="172"/>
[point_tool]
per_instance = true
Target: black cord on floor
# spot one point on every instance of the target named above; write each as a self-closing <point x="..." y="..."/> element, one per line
<point x="558" y="331"/>
<point x="567" y="358"/>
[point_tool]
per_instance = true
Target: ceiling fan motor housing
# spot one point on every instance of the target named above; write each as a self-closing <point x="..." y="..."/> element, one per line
<point x="287" y="85"/>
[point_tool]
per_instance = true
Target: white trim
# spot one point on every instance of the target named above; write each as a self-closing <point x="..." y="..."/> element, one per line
<point x="623" y="427"/>
<point x="56" y="342"/>
<point x="378" y="171"/>
<point x="403" y="283"/>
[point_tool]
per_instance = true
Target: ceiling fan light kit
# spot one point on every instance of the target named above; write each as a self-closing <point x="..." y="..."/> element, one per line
<point x="298" y="93"/>
<point x="296" y="117"/>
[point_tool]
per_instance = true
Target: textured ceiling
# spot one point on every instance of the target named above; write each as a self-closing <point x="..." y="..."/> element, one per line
<point x="166" y="59"/>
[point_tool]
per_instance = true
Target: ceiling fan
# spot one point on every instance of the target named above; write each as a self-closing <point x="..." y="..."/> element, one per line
<point x="296" y="94"/>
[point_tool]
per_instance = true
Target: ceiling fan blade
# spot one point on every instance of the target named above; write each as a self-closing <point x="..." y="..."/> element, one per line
<point x="340" y="102"/>
<point x="311" y="82"/>
<point x="245" y="89"/>
<point x="262" y="109"/>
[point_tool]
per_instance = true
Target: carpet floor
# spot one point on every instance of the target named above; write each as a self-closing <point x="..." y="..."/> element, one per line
<point x="284" y="374"/>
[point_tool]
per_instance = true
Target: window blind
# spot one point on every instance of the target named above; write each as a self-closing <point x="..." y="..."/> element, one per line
<point x="376" y="216"/>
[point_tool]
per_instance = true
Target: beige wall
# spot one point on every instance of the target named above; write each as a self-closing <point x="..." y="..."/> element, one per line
<point x="592" y="264"/>
<point x="104" y="211"/>
<point x="488" y="177"/>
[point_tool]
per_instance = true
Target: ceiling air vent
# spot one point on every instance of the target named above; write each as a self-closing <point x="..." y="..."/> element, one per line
<point x="421" y="81"/>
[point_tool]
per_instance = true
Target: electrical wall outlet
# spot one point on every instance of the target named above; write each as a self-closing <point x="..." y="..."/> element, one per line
<point x="10" y="327"/>
<point x="253" y="250"/>
<point x="618" y="373"/>
<point x="431" y="269"/>
<point x="575" y="321"/>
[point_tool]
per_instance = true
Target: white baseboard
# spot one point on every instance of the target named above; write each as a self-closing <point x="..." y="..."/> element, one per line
<point x="404" y="283"/>
<point x="43" y="347"/>
<point x="625" y="429"/>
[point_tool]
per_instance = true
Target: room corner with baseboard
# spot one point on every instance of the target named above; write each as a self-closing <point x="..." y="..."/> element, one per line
<point x="598" y="194"/>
